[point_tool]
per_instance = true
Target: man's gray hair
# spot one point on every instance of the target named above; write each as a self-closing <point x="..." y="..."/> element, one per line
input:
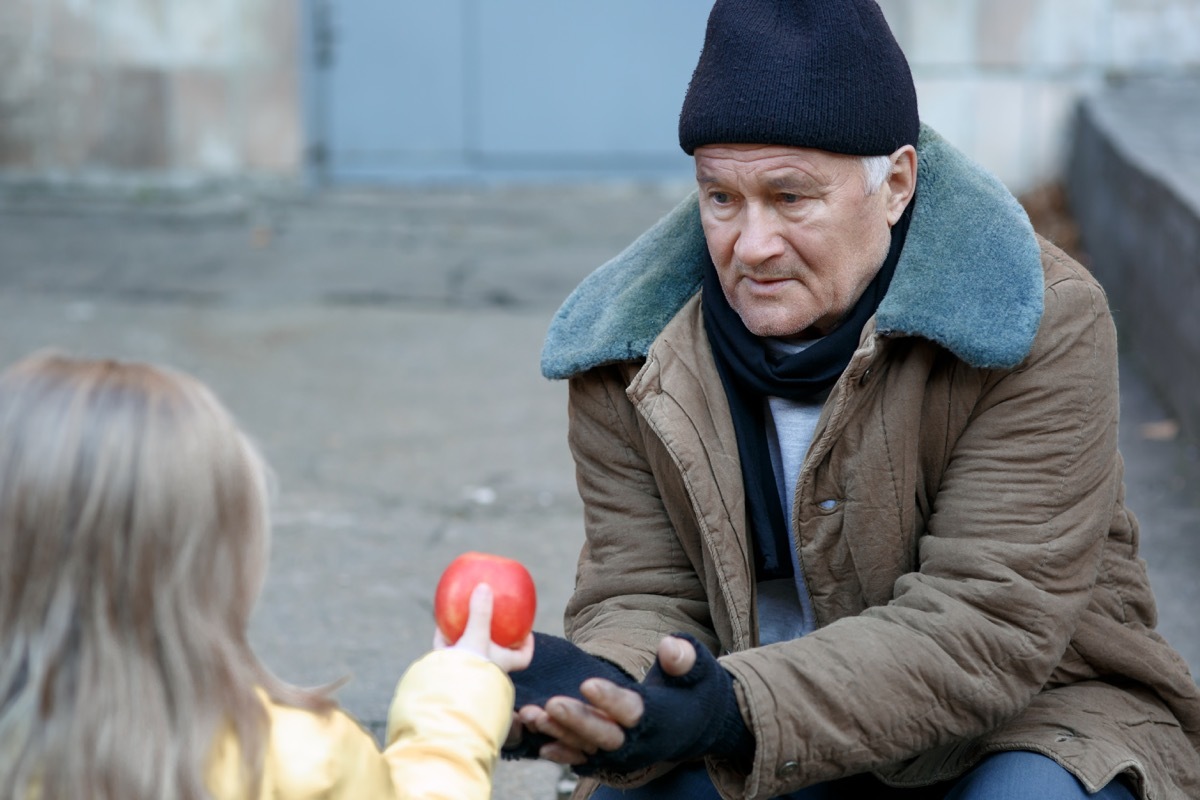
<point x="876" y="170"/>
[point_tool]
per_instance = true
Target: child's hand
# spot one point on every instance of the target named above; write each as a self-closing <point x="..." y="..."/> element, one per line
<point x="477" y="637"/>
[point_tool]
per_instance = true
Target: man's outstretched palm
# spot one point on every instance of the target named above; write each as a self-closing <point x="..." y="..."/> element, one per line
<point x="581" y="729"/>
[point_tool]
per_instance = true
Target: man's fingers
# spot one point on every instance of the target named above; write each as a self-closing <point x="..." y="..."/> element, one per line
<point x="560" y="754"/>
<point x="624" y="706"/>
<point x="582" y="727"/>
<point x="540" y="721"/>
<point x="532" y="717"/>
<point x="526" y="711"/>
<point x="677" y="656"/>
<point x="516" y="732"/>
<point x="536" y="719"/>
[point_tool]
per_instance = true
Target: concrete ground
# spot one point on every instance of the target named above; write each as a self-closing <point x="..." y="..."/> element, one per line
<point x="383" y="349"/>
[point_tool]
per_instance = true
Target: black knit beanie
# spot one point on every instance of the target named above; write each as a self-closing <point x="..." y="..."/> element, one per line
<point x="825" y="74"/>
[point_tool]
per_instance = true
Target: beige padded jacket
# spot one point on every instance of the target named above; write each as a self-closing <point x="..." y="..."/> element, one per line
<point x="961" y="527"/>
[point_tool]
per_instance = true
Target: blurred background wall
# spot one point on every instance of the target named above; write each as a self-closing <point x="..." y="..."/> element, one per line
<point x="170" y="91"/>
<point x="385" y="91"/>
<point x="1001" y="78"/>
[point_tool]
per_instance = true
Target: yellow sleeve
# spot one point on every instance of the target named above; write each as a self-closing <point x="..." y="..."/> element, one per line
<point x="451" y="713"/>
<point x="309" y="755"/>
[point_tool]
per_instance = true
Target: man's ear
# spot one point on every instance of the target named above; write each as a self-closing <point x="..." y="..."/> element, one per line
<point x="901" y="182"/>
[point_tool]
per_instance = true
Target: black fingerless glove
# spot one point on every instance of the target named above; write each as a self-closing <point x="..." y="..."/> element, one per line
<point x="685" y="718"/>
<point x="558" y="668"/>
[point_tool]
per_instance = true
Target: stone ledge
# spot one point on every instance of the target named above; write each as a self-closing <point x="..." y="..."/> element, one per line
<point x="1133" y="178"/>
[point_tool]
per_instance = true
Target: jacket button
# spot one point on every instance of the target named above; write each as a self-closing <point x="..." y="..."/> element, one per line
<point x="787" y="769"/>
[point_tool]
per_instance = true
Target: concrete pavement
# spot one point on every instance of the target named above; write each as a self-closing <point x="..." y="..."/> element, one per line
<point x="383" y="349"/>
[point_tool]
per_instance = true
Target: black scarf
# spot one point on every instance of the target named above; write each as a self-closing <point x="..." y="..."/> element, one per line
<point x="750" y="373"/>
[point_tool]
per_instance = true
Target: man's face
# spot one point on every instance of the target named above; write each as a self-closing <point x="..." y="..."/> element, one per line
<point x="793" y="234"/>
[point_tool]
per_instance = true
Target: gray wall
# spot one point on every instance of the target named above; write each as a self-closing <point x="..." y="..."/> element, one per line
<point x="1134" y="183"/>
<point x="192" y="90"/>
<point x="178" y="90"/>
<point x="1001" y="78"/>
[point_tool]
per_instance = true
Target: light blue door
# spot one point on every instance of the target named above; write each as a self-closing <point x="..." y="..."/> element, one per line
<point x="406" y="91"/>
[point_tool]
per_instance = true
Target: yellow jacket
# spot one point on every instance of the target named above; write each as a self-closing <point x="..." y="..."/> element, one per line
<point x="446" y="723"/>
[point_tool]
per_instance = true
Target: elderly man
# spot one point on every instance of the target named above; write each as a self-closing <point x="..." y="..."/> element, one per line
<point x="845" y="433"/>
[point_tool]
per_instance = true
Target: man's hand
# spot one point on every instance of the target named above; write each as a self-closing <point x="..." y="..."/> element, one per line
<point x="581" y="729"/>
<point x="558" y="669"/>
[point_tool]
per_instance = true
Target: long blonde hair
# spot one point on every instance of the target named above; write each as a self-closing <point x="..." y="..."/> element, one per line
<point x="133" y="545"/>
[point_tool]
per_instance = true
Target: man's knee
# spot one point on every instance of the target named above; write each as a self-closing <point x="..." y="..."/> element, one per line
<point x="1025" y="775"/>
<point x="690" y="781"/>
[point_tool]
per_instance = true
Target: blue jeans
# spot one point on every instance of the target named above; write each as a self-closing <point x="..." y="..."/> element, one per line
<point x="1015" y="775"/>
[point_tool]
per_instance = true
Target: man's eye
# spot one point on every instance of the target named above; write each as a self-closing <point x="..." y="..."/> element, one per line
<point x="720" y="198"/>
<point x="789" y="198"/>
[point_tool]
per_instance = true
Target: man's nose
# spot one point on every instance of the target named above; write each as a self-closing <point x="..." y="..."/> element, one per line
<point x="759" y="237"/>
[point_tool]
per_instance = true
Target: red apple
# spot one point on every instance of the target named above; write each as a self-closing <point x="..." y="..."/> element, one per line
<point x="513" y="607"/>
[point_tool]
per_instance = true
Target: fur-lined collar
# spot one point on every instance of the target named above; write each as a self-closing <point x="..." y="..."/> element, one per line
<point x="969" y="278"/>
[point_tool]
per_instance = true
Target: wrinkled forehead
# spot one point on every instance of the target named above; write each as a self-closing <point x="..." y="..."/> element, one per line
<point x="771" y="164"/>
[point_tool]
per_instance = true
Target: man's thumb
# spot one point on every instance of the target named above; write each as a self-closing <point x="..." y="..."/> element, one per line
<point x="677" y="656"/>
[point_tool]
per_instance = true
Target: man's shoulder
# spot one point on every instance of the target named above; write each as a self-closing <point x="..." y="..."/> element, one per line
<point x="1059" y="265"/>
<point x="970" y="277"/>
<point x="617" y="311"/>
<point x="1071" y="288"/>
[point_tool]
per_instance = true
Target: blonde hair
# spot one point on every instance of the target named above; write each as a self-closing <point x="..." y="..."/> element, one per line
<point x="133" y="545"/>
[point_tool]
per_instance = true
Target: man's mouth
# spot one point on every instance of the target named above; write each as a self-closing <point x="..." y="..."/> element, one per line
<point x="765" y="283"/>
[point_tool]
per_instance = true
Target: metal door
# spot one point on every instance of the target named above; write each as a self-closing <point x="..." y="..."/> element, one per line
<point x="481" y="90"/>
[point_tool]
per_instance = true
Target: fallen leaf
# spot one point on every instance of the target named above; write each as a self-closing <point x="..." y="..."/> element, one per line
<point x="261" y="236"/>
<point x="1162" y="431"/>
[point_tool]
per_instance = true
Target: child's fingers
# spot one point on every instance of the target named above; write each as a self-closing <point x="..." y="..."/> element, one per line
<point x="512" y="659"/>
<point x="523" y="655"/>
<point x="477" y="636"/>
<point x="481" y="606"/>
